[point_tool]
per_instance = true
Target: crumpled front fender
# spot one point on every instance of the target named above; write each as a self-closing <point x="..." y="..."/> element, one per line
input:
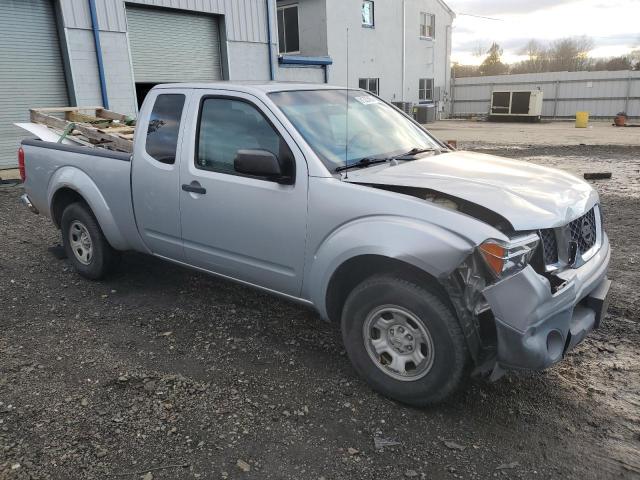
<point x="428" y="247"/>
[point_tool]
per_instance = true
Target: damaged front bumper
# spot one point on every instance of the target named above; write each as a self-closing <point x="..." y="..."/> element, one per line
<point x="536" y="327"/>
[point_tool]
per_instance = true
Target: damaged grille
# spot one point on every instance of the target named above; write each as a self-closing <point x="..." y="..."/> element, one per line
<point x="557" y="242"/>
<point x="583" y="231"/>
<point x="549" y="246"/>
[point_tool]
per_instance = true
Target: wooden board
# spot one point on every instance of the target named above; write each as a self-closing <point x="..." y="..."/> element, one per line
<point x="95" y="128"/>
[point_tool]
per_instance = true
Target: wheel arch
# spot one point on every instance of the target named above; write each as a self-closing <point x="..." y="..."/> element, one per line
<point x="62" y="198"/>
<point x="69" y="185"/>
<point x="357" y="269"/>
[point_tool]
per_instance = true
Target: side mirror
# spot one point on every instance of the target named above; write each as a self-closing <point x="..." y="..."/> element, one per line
<point x="260" y="163"/>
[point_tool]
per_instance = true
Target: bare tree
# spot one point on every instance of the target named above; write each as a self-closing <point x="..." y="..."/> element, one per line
<point x="460" y="71"/>
<point x="566" y="54"/>
<point x="634" y="58"/>
<point x="623" y="62"/>
<point x="492" y="65"/>
<point x="533" y="49"/>
<point x="570" y="54"/>
<point x="537" y="61"/>
<point x="480" y="50"/>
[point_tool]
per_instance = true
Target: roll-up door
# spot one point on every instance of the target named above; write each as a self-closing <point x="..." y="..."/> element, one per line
<point x="31" y="68"/>
<point x="173" y="46"/>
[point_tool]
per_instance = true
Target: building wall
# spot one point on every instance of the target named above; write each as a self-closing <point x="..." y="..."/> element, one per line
<point x="377" y="52"/>
<point x="84" y="69"/>
<point x="602" y="94"/>
<point x="312" y="25"/>
<point x="246" y="19"/>
<point x="301" y="74"/>
<point x="427" y="58"/>
<point x="244" y="31"/>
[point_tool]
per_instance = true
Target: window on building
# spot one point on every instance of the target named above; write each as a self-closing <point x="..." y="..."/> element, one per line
<point x="367" y="13"/>
<point x="288" y="34"/>
<point x="371" y="84"/>
<point x="427" y="25"/>
<point x="227" y="126"/>
<point x="164" y="127"/>
<point x="425" y="89"/>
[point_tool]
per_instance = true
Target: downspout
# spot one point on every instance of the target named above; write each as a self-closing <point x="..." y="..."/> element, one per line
<point x="96" y="40"/>
<point x="272" y="74"/>
<point x="404" y="45"/>
<point x="447" y="71"/>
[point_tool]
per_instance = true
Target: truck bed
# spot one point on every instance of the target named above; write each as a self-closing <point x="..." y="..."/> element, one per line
<point x="102" y="177"/>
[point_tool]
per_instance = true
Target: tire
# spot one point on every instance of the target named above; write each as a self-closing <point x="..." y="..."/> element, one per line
<point x="85" y="244"/>
<point x="438" y="337"/>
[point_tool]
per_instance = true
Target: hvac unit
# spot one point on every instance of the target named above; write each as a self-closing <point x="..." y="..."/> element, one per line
<point x="516" y="105"/>
<point x="406" y="107"/>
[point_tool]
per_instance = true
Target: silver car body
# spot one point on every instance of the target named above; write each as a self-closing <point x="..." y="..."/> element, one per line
<point x="293" y="239"/>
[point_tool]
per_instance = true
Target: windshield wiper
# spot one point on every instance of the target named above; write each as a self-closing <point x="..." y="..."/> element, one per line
<point x="365" y="162"/>
<point x="416" y="151"/>
<point x="362" y="163"/>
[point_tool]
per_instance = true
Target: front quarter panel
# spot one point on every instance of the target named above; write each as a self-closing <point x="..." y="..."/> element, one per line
<point x="348" y="220"/>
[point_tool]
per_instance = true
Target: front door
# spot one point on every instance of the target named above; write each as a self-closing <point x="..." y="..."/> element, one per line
<point x="246" y="228"/>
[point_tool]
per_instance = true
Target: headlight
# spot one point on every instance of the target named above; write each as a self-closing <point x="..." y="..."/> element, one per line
<point x="505" y="258"/>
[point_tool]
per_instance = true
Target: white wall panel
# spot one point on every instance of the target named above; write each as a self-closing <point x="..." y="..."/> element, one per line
<point x="602" y="94"/>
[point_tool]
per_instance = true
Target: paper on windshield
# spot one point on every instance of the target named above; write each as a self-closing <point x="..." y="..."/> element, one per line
<point x="367" y="100"/>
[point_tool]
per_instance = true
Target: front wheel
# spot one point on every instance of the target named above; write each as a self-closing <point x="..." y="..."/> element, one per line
<point x="404" y="340"/>
<point x="85" y="244"/>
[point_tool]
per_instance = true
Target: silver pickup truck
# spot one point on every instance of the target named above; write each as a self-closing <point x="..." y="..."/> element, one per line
<point x="436" y="263"/>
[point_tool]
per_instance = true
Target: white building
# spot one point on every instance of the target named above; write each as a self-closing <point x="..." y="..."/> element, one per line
<point x="399" y="49"/>
<point x="110" y="52"/>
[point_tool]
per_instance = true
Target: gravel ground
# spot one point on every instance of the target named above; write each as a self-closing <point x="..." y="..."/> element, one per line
<point x="160" y="372"/>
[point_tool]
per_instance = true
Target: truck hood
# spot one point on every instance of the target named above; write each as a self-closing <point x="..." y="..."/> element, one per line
<point x="529" y="196"/>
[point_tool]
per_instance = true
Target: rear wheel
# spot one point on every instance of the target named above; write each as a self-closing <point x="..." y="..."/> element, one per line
<point x="85" y="244"/>
<point x="404" y="340"/>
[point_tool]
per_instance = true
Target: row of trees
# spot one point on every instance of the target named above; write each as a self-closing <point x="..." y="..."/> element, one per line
<point x="566" y="54"/>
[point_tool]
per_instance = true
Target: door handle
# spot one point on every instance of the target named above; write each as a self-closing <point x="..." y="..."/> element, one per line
<point x="194" y="187"/>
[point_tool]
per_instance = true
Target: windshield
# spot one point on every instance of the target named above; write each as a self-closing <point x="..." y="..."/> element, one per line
<point x="375" y="130"/>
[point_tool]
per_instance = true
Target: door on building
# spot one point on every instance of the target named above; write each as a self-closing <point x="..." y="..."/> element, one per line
<point x="31" y="68"/>
<point x="170" y="46"/>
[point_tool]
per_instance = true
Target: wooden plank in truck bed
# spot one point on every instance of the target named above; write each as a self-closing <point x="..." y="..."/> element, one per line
<point x="95" y="134"/>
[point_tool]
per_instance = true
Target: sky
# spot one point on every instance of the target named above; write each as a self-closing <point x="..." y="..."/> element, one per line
<point x="614" y="25"/>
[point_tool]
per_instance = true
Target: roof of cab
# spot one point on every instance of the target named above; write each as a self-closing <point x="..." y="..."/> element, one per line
<point x="252" y="86"/>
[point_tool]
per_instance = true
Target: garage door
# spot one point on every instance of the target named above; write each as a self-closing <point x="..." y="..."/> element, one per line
<point x="173" y="46"/>
<point x="31" y="72"/>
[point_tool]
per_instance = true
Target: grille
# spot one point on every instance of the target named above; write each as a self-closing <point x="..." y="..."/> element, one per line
<point x="583" y="231"/>
<point x="555" y="242"/>
<point x="549" y="246"/>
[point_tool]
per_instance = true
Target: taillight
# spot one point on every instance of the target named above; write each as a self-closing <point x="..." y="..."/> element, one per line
<point x="23" y="173"/>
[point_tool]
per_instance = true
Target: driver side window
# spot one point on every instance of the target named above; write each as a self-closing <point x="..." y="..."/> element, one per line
<point x="228" y="125"/>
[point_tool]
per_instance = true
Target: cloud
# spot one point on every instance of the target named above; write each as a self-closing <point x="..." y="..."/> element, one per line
<point x="613" y="25"/>
<point x="626" y="39"/>
<point x="504" y="7"/>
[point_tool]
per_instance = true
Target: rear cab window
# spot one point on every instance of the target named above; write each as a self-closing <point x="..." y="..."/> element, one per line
<point x="164" y="127"/>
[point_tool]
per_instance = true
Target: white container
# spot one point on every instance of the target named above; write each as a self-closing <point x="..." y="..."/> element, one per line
<point x="514" y="104"/>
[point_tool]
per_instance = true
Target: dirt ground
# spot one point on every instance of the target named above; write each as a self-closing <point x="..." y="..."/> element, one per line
<point x="160" y="372"/>
<point x="547" y="133"/>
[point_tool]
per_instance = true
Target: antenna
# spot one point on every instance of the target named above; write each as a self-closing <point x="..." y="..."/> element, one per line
<point x="346" y="136"/>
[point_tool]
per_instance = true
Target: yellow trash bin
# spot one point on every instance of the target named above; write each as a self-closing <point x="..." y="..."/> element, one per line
<point x="582" y="119"/>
